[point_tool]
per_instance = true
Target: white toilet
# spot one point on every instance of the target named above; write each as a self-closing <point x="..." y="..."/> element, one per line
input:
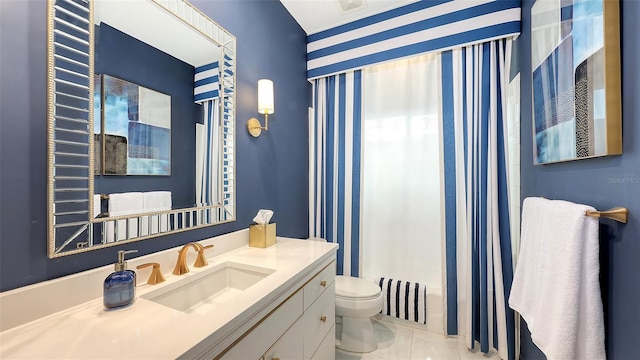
<point x="357" y="300"/>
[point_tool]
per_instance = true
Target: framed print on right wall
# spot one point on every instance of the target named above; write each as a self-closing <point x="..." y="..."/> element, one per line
<point x="575" y="60"/>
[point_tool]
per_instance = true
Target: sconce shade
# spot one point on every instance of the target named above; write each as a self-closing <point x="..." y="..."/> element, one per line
<point x="265" y="106"/>
<point x="265" y="96"/>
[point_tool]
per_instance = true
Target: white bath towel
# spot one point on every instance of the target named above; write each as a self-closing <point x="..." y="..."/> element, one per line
<point x="556" y="284"/>
<point x="121" y="204"/>
<point x="155" y="201"/>
<point x="97" y="205"/>
<point x="125" y="203"/>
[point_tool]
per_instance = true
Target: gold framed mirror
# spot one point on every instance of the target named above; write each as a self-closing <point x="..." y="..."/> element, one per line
<point x="83" y="211"/>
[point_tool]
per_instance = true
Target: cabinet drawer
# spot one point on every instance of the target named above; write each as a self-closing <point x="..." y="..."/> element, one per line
<point x="319" y="284"/>
<point x="318" y="319"/>
<point x="289" y="346"/>
<point x="260" y="339"/>
<point x="327" y="350"/>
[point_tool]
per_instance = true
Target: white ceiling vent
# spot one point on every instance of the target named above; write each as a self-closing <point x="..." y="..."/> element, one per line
<point x="351" y="5"/>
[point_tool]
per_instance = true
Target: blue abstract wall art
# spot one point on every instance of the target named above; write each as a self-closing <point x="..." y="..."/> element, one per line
<point x="135" y="129"/>
<point x="576" y="79"/>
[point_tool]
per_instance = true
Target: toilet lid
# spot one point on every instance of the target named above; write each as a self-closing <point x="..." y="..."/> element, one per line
<point x="356" y="288"/>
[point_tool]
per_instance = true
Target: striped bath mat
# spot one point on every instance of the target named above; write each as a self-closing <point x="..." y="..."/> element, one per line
<point x="404" y="300"/>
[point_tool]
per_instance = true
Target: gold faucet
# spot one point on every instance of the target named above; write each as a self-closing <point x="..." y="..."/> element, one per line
<point x="181" y="265"/>
<point x="201" y="261"/>
<point x="156" y="276"/>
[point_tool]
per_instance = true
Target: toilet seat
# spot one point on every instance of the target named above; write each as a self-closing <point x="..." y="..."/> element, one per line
<point x="350" y="288"/>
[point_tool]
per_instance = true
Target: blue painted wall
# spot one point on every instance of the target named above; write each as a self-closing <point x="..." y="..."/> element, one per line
<point x="127" y="58"/>
<point x="603" y="183"/>
<point x="272" y="170"/>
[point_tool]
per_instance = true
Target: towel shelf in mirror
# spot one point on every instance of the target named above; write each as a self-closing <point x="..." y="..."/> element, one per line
<point x="75" y="223"/>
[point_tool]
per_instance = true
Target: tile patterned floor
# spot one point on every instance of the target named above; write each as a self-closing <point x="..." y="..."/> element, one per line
<point x="398" y="342"/>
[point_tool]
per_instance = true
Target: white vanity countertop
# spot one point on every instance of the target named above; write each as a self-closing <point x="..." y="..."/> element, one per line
<point x="152" y="331"/>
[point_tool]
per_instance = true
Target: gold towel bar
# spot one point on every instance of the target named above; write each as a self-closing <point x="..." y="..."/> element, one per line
<point x="619" y="214"/>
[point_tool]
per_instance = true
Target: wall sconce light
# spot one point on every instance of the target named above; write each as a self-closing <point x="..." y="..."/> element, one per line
<point x="265" y="106"/>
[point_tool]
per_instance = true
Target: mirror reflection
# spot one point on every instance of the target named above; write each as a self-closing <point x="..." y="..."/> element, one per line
<point x="155" y="155"/>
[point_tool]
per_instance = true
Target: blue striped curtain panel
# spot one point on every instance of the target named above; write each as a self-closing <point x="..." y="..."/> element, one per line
<point x="474" y="81"/>
<point x="335" y="161"/>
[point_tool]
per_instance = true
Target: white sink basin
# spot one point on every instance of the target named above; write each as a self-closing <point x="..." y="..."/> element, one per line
<point x="205" y="291"/>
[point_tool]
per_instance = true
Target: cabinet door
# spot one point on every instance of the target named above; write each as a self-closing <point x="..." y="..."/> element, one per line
<point x="318" y="320"/>
<point x="255" y="343"/>
<point x="289" y="346"/>
<point x="327" y="350"/>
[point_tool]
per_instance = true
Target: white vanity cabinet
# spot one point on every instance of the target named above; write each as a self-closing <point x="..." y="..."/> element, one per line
<point x="319" y="316"/>
<point x="302" y="327"/>
<point x="289" y="313"/>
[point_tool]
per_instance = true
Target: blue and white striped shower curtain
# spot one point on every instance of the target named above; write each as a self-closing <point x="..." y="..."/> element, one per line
<point x="335" y="157"/>
<point x="206" y="92"/>
<point x="207" y="185"/>
<point x="477" y="229"/>
<point x="479" y="268"/>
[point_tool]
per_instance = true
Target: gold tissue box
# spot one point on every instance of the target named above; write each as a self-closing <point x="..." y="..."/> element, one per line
<point x="262" y="236"/>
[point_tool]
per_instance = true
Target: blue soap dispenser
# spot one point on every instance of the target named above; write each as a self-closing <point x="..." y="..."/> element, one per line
<point x="120" y="285"/>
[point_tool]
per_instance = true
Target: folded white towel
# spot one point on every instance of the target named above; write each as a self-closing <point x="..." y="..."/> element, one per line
<point x="123" y="204"/>
<point x="155" y="201"/>
<point x="556" y="284"/>
<point x="97" y="205"/>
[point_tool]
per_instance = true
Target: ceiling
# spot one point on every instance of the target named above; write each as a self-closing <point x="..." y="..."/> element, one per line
<point x="150" y="23"/>
<point x="317" y="15"/>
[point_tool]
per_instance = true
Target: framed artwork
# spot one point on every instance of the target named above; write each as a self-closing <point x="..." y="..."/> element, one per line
<point x="575" y="61"/>
<point x="133" y="131"/>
